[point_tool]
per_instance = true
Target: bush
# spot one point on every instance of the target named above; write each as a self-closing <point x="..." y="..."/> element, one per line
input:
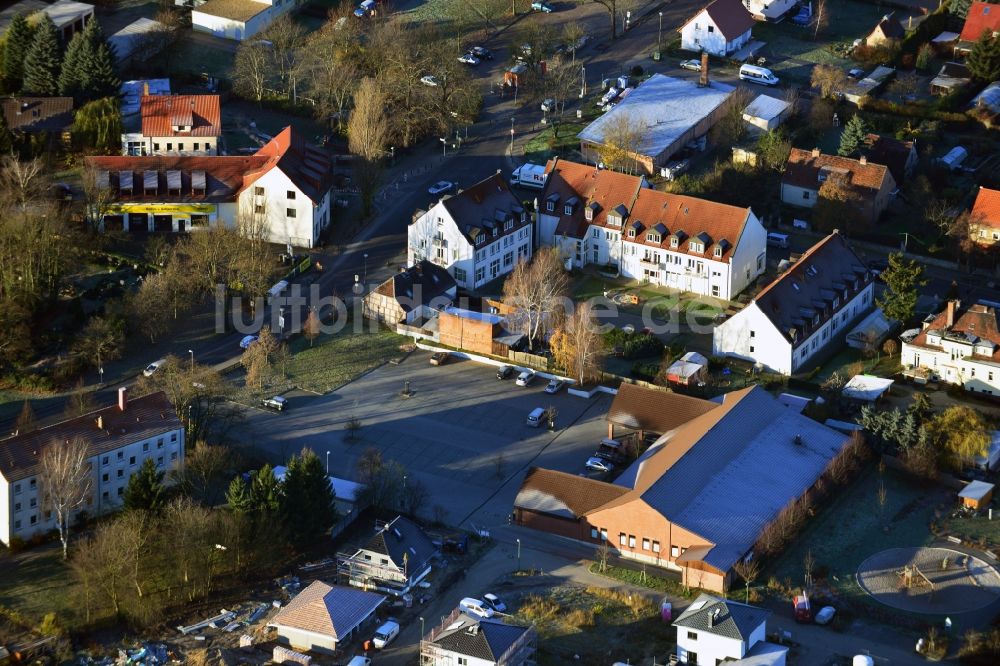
<point x="636" y="71"/>
<point x="640" y="346"/>
<point x="539" y="609"/>
<point x="580" y="618"/>
<point x="643" y="579"/>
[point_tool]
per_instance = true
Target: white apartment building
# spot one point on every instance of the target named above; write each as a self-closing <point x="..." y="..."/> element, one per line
<point x="804" y="313"/>
<point x="714" y="631"/>
<point x="958" y="346"/>
<point x="478" y="234"/>
<point x="176" y="125"/>
<point x="613" y="220"/>
<point x="119" y="439"/>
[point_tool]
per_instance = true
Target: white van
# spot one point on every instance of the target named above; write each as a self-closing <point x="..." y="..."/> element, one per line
<point x="384" y="634"/>
<point x="475" y="607"/>
<point x="535" y="417"/>
<point x="777" y="240"/>
<point x="761" y="75"/>
<point x="360" y="661"/>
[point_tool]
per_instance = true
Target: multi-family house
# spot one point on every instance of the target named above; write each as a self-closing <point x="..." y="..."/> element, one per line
<point x="720" y="29"/>
<point x="478" y="234"/>
<point x="985" y="222"/>
<point x="609" y="219"/>
<point x="715" y="631"/>
<point x="804" y="313"/>
<point x="807" y="171"/>
<point x="283" y="188"/>
<point x="176" y="125"/>
<point x="119" y="439"/>
<point x="959" y="346"/>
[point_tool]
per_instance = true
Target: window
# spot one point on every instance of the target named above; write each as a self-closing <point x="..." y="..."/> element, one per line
<point x="17" y="524"/>
<point x="621" y="539"/>
<point x="33" y="502"/>
<point x="645" y="543"/>
<point x="121" y="490"/>
<point x="674" y="551"/>
<point x="751" y="349"/>
<point x="715" y="290"/>
<point x="121" y="473"/>
<point x="159" y="461"/>
<point x="631" y="541"/>
<point x="604" y="534"/>
<point x="258" y="209"/>
<point x="145" y="446"/>
<point x="593" y="532"/>
<point x="290" y="195"/>
<point x="156" y="146"/>
<point x="106" y="495"/>
<point x="17" y="506"/>
<point x="17" y="486"/>
<point x="692" y="657"/>
<point x="159" y="443"/>
<point x="550" y="206"/>
<point x="180" y="146"/>
<point x="711" y="28"/>
<point x="173" y="456"/>
<point x="170" y="146"/>
<point x="753" y="334"/>
<point x="463" y="661"/>
<point x="384" y="561"/>
<point x="33" y="484"/>
<point x="656" y="546"/>
<point x="131" y="460"/>
<point x="105" y="477"/>
<point x="121" y="455"/>
<point x="692" y="635"/>
<point x="460" y="274"/>
<point x="34" y="519"/>
<point x="258" y="191"/>
<point x="805" y="195"/>
<point x="196" y="145"/>
<point x="289" y="212"/>
<point x="596" y="233"/>
<point x="673" y="241"/>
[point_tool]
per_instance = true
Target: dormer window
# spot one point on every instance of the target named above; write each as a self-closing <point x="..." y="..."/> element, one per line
<point x="508" y="225"/>
<point x="695" y="246"/>
<point x="591" y="211"/>
<point x="653" y="238"/>
<point x="673" y="242"/>
<point x="718" y="251"/>
<point x="631" y="233"/>
<point x="481" y="238"/>
<point x="570" y="205"/>
<point x="550" y="202"/>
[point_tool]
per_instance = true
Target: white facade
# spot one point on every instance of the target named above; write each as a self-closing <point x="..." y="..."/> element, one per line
<point x="704" y="647"/>
<point x="702" y="34"/>
<point x="290" y="215"/>
<point x="236" y="29"/>
<point x="957" y="356"/>
<point x="769" y="10"/>
<point x="752" y="336"/>
<point x="22" y="514"/>
<point x="135" y="143"/>
<point x="436" y="236"/>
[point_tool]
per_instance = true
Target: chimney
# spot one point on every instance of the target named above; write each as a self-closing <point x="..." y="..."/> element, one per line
<point x="703" y="78"/>
<point x="950" y="313"/>
<point x="863" y="160"/>
<point x="122" y="398"/>
<point x="100" y="423"/>
<point x="145" y="88"/>
<point x="815" y="152"/>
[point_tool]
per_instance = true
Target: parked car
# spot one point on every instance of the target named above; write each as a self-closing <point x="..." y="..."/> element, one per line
<point x="505" y="371"/>
<point x="153" y="367"/>
<point x="277" y="403"/>
<point x="440" y="187"/>
<point x="475" y="607"/>
<point x="549" y="105"/>
<point x="693" y="65"/>
<point x="494" y="602"/>
<point x="481" y="52"/>
<point x="599" y="464"/>
<point x="856" y="73"/>
<point x="468" y="59"/>
<point x="825" y="615"/>
<point x="385" y="633"/>
<point x="555" y="386"/>
<point x="429" y="80"/>
<point x="248" y="340"/>
<point x="540" y="6"/>
<point x="440" y="358"/>
<point x="525" y="378"/>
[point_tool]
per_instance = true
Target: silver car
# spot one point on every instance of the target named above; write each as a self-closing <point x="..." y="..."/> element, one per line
<point x="599" y="464"/>
<point x="525" y="378"/>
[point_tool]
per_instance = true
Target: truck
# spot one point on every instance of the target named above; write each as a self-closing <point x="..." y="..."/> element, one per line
<point x="529" y="175"/>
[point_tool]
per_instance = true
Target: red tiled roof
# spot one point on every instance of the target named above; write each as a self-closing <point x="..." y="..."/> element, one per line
<point x="589" y="185"/>
<point x="305" y="164"/>
<point x="982" y="17"/>
<point x="987" y="207"/>
<point x="224" y="175"/>
<point x="677" y="213"/>
<point x="804" y="168"/>
<point x="144" y="417"/>
<point x="976" y="321"/>
<point x="551" y="491"/>
<point x="891" y="152"/>
<point x="730" y="16"/>
<point x="161" y="113"/>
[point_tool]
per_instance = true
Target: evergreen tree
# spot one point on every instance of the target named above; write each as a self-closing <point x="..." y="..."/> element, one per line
<point x="17" y="43"/>
<point x="238" y="496"/>
<point x="145" y="490"/>
<point x="71" y="76"/>
<point x="6" y="137"/>
<point x="265" y="491"/>
<point x="853" y="136"/>
<point x="959" y="8"/>
<point x="983" y="60"/>
<point x="43" y="61"/>
<point x="307" y="507"/>
<point x="903" y="278"/>
<point x="89" y="69"/>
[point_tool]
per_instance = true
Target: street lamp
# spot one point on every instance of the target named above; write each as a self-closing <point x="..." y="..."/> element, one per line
<point x="421" y="626"/>
<point x="518" y="554"/>
<point x="583" y="81"/>
<point x="512" y="135"/>
<point x="366" y="267"/>
<point x="444" y="146"/>
<point x="392" y="149"/>
<point x="328" y="463"/>
<point x="659" y="31"/>
<point x="100" y="371"/>
<point x="191" y="351"/>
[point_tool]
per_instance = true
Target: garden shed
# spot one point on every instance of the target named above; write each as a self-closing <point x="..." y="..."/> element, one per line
<point x="977" y="494"/>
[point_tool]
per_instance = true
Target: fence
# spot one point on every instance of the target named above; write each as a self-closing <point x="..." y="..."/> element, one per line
<point x="530" y="360"/>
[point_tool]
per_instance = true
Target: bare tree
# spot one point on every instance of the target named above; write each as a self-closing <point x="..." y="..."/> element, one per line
<point x="731" y="127"/>
<point x="808" y="566"/>
<point x="367" y="135"/>
<point x="535" y="290"/>
<point x="79" y="402"/>
<point x="577" y="346"/>
<point x="26" y="421"/>
<point x="624" y="135"/>
<point x="65" y="479"/>
<point x="821" y="18"/>
<point x="101" y="340"/>
<point x="573" y="32"/>
<point x="829" y="79"/>
<point x="287" y="38"/>
<point x="603" y="553"/>
<point x="22" y="181"/>
<point x="311" y="326"/>
<point x="748" y="569"/>
<point x="96" y="198"/>
<point x="259" y="358"/>
<point x="252" y="69"/>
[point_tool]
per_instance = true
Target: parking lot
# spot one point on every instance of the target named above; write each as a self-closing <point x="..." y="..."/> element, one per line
<point x="462" y="432"/>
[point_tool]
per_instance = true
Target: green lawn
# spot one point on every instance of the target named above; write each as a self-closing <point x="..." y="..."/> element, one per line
<point x="37" y="583"/>
<point x="849" y="359"/>
<point x="546" y="144"/>
<point x="978" y="530"/>
<point x="851" y="527"/>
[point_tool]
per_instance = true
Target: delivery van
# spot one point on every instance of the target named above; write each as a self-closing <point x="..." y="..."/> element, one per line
<point x="384" y="634"/>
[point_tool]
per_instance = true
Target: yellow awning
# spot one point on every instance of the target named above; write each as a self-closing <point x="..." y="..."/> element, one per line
<point x="160" y="208"/>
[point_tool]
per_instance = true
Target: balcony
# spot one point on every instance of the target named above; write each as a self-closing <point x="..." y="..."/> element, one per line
<point x="647" y="262"/>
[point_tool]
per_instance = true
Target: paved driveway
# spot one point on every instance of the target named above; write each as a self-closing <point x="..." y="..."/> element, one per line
<point x="462" y="433"/>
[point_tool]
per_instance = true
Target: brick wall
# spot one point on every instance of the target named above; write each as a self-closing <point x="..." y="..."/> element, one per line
<point x="466" y="334"/>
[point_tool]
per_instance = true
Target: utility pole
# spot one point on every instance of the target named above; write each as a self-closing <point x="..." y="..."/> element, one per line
<point x="659" y="32"/>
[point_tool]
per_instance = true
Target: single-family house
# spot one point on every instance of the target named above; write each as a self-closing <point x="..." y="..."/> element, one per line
<point x="478" y="234"/>
<point x="418" y="291"/>
<point x="982" y="17"/>
<point x="900" y="157"/>
<point x="119" y="438"/>
<point x="986" y="217"/>
<point x="769" y="10"/>
<point x="697" y="500"/>
<point x="474" y="641"/>
<point x="713" y="630"/>
<point x="721" y="28"/>
<point x="176" y="125"/>
<point x="806" y="172"/>
<point x="804" y="314"/>
<point x="674" y="111"/>
<point x="322" y="617"/>
<point x="394" y="560"/>
<point x="958" y="346"/>
<point x="31" y="116"/>
<point x="284" y="187"/>
<point x="888" y="31"/>
<point x="608" y="219"/>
